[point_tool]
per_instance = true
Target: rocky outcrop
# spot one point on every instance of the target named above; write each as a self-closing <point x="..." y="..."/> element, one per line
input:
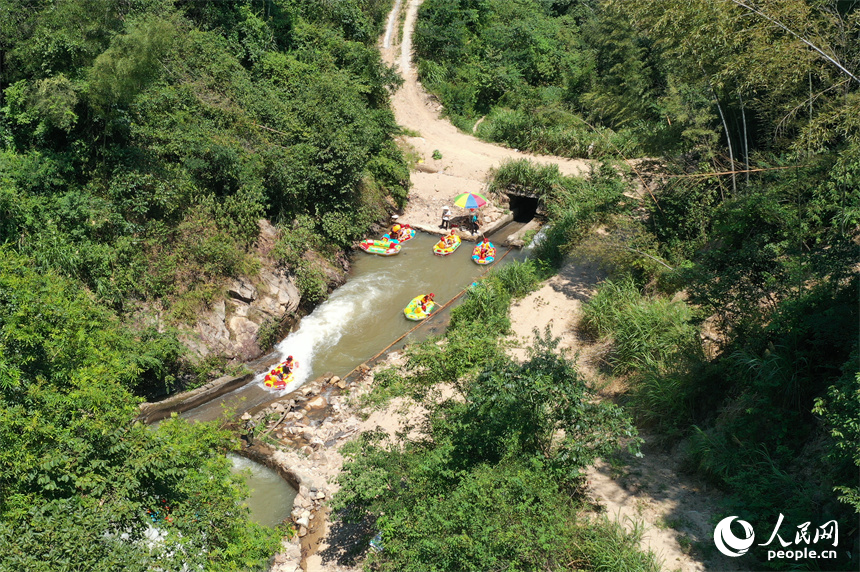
<point x="231" y="325"/>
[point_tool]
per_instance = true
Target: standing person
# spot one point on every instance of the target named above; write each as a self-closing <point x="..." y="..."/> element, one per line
<point x="446" y="217"/>
<point x="473" y="219"/>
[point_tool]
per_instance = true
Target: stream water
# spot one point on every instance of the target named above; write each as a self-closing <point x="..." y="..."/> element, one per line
<point x="364" y="315"/>
<point x="271" y="498"/>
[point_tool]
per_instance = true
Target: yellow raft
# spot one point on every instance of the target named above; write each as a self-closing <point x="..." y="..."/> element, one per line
<point x="413" y="310"/>
<point x="275" y="378"/>
<point x="442" y="249"/>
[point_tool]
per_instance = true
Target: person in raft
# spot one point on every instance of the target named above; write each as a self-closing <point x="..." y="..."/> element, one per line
<point x="289" y="365"/>
<point x="398" y="232"/>
<point x="485" y="249"/>
<point x="426" y="300"/>
<point x="449" y="240"/>
<point x="446" y="217"/>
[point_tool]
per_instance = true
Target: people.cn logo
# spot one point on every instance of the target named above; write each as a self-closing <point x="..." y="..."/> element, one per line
<point x="728" y="543"/>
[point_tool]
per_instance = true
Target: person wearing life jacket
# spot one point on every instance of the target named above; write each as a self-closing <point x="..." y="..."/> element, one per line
<point x="485" y="249"/>
<point x="289" y="365"/>
<point x="426" y="300"/>
<point x="395" y="231"/>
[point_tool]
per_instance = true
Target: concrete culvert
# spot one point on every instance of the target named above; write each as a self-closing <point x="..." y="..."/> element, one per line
<point x="523" y="208"/>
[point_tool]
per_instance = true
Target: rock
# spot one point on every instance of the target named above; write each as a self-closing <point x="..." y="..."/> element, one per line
<point x="342" y="384"/>
<point x="303" y="531"/>
<point x="243" y="290"/>
<point x="317" y="402"/>
<point x="238" y="308"/>
<point x="307" y="450"/>
<point x="304" y="521"/>
<point x="305" y="514"/>
<point x="320" y="495"/>
<point x="220" y="310"/>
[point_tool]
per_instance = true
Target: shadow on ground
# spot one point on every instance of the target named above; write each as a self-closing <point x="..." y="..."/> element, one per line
<point x="347" y="543"/>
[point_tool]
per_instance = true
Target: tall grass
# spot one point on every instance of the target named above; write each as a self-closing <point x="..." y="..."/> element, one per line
<point x="489" y="301"/>
<point x="604" y="546"/>
<point x="555" y="131"/>
<point x="523" y="175"/>
<point x="574" y="204"/>
<point x="647" y="333"/>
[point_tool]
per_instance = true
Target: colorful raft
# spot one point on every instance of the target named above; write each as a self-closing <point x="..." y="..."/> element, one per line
<point x="413" y="310"/>
<point x="488" y="259"/>
<point x="442" y="249"/>
<point x="406" y="233"/>
<point x="276" y="380"/>
<point x="380" y="247"/>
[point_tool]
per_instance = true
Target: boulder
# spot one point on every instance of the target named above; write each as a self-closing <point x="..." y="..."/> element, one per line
<point x="317" y="402"/>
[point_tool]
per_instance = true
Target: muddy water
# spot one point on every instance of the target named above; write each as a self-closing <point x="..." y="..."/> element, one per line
<point x="271" y="497"/>
<point x="363" y="316"/>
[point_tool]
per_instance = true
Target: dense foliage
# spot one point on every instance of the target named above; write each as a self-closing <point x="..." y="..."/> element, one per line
<point x="752" y="212"/>
<point x="142" y="141"/>
<point x="474" y="489"/>
<point x="80" y="476"/>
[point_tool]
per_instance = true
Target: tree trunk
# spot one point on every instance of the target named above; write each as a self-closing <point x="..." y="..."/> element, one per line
<point x="728" y="138"/>
<point x="746" y="146"/>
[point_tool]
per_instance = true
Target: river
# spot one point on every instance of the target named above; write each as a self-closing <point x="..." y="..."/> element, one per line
<point x="364" y="316"/>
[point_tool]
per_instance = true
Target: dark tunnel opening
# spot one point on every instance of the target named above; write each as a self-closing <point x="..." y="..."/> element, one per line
<point x="523" y="208"/>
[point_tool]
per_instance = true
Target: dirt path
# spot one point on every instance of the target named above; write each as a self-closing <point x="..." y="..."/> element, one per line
<point x="648" y="490"/>
<point x="465" y="160"/>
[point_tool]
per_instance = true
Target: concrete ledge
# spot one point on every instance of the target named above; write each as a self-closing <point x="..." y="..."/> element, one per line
<point x="516" y="239"/>
<point x="152" y="412"/>
<point x="465" y="235"/>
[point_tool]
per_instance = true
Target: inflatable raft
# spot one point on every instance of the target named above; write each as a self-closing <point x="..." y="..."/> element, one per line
<point x="443" y="249"/>
<point x="276" y="380"/>
<point x="406" y="233"/>
<point x="413" y="310"/>
<point x="381" y="247"/>
<point x="488" y="259"/>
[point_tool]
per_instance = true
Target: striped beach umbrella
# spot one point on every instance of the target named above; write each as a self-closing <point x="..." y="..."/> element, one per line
<point x="470" y="200"/>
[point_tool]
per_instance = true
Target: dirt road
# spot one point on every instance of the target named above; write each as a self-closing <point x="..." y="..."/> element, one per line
<point x="465" y="160"/>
